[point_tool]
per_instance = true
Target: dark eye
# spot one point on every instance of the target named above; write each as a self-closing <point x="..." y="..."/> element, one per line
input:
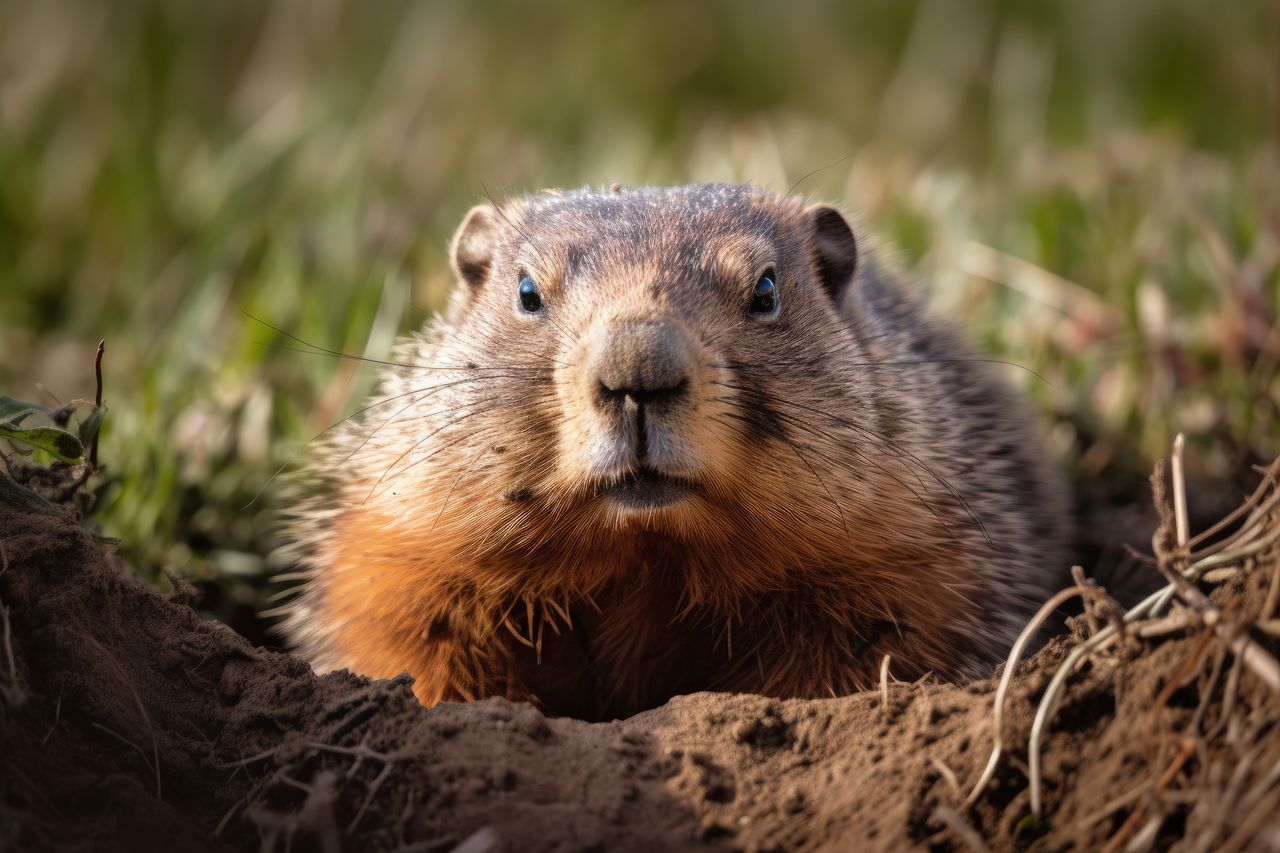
<point x="764" y="299"/>
<point x="530" y="296"/>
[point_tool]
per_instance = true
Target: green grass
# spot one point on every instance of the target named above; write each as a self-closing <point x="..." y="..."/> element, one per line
<point x="1090" y="188"/>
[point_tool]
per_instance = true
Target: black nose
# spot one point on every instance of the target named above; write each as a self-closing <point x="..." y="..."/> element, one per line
<point x="647" y="360"/>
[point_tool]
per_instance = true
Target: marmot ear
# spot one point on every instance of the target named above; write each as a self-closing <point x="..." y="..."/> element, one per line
<point x="474" y="244"/>
<point x="835" y="252"/>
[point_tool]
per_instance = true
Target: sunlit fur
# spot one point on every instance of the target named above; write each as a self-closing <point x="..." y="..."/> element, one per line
<point x="862" y="486"/>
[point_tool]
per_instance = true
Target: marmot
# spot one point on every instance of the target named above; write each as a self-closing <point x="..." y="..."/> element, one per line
<point x="670" y="440"/>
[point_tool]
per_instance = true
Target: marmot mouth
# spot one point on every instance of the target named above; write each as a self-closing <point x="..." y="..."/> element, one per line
<point x="645" y="488"/>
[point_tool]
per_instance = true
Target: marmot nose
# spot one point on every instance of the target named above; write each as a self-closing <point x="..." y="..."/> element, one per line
<point x="646" y="360"/>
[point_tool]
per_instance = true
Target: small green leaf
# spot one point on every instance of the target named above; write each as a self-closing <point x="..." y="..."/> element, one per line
<point x="60" y="443"/>
<point x="90" y="425"/>
<point x="11" y="408"/>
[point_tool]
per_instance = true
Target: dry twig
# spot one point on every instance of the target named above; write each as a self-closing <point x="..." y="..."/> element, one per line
<point x="884" y="685"/>
<point x="1015" y="654"/>
<point x="1182" y="569"/>
<point x="957" y="824"/>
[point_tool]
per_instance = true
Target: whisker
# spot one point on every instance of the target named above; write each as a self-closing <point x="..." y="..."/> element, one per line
<point x="844" y="522"/>
<point x="449" y="496"/>
<point x="316" y="349"/>
<point x="537" y="250"/>
<point x="807" y="175"/>
<point x="432" y="389"/>
<point x="882" y="442"/>
<point x="417" y="444"/>
<point x="915" y="362"/>
<point x="357" y="413"/>
<point x="835" y="439"/>
<point x="453" y="422"/>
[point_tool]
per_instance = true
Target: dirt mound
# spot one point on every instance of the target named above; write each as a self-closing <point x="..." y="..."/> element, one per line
<point x="127" y="722"/>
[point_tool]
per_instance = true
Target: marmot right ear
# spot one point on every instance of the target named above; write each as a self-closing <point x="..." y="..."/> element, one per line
<point x="474" y="244"/>
<point x="835" y="252"/>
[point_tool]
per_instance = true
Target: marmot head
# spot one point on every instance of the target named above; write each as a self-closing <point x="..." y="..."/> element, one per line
<point x="662" y="369"/>
<point x="652" y="349"/>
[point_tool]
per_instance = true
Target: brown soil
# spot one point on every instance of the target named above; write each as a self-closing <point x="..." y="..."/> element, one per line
<point x="128" y="722"/>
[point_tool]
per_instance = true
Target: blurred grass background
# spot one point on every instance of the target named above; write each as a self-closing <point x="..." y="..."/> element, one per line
<point x="1090" y="188"/>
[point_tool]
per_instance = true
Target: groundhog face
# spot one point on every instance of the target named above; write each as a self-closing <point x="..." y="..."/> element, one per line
<point x="658" y="353"/>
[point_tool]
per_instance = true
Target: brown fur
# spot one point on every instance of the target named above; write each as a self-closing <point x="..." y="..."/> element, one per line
<point x="861" y="487"/>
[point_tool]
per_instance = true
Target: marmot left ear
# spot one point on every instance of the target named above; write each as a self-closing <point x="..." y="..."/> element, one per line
<point x="474" y="244"/>
<point x="834" y="251"/>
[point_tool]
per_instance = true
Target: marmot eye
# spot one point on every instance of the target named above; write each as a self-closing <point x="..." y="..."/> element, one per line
<point x="764" y="299"/>
<point x="530" y="296"/>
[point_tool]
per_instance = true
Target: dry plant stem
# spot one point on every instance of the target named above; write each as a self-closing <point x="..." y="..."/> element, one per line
<point x="141" y="752"/>
<point x="1146" y="836"/>
<point x="1189" y="666"/>
<point x="360" y="753"/>
<point x="946" y="773"/>
<point x="1229" y="697"/>
<point x="155" y="745"/>
<point x="482" y="840"/>
<point x="1128" y="798"/>
<point x="1172" y="564"/>
<point x="12" y="693"/>
<point x="251" y="759"/>
<point x="884" y="685"/>
<point x="1179" y="493"/>
<point x="374" y="786"/>
<point x="1130" y="825"/>
<point x="97" y="370"/>
<point x="1228" y="557"/>
<point x="1253" y="822"/>
<point x="1254" y="506"/>
<point x="1258" y="531"/>
<point x="1255" y="657"/>
<point x="1260" y="789"/>
<point x="1048" y="704"/>
<point x="957" y="824"/>
<point x="1231" y="793"/>
<point x="1152" y="605"/>
<point x="1090" y="606"/>
<point x="1220" y="575"/>
<point x="1259" y="509"/>
<point x="57" y="715"/>
<point x="294" y="783"/>
<point x="1269" y="478"/>
<point x="1273" y="597"/>
<point x="244" y="801"/>
<point x="1206" y="693"/>
<point x="1171" y="624"/>
<point x="1014" y="655"/>
<point x="1258" y="659"/>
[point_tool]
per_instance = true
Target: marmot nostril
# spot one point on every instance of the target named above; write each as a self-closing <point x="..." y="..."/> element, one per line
<point x="644" y="359"/>
<point x="643" y="395"/>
